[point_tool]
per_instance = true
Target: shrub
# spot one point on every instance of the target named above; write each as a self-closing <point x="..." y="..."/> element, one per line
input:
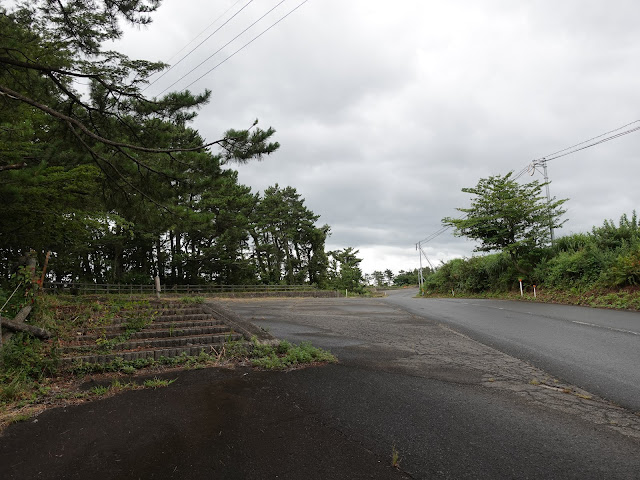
<point x="572" y="243"/>
<point x="26" y="356"/>
<point x="580" y="268"/>
<point x="624" y="271"/>
<point x="611" y="237"/>
<point x="474" y="275"/>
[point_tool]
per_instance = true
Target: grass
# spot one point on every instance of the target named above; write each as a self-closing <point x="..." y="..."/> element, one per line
<point x="158" y="383"/>
<point x="395" y="457"/>
<point x="135" y="322"/>
<point x="99" y="390"/>
<point x="66" y="387"/>
<point x="287" y="355"/>
<point x="281" y="356"/>
<point x="21" y="417"/>
<point x="583" y="396"/>
<point x="627" y="298"/>
<point x="192" y="300"/>
<point x="25" y="410"/>
<point x="26" y="362"/>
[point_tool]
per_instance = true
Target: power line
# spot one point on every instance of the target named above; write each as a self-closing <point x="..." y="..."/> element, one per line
<point x="207" y="28"/>
<point x="248" y="43"/>
<point x="217" y="51"/>
<point x="522" y="172"/>
<point x="434" y="235"/>
<point x="589" y="140"/>
<point x="552" y="156"/>
<point x="198" y="46"/>
<point x="437" y="233"/>
<point x="604" y="140"/>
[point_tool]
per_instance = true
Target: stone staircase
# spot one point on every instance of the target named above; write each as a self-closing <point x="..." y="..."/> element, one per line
<point x="174" y="329"/>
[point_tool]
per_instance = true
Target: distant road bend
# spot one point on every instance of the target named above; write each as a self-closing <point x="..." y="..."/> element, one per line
<point x="595" y="349"/>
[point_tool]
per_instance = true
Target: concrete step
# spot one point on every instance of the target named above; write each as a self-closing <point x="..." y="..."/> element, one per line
<point x="178" y="310"/>
<point x="178" y="317"/>
<point x="193" y="348"/>
<point x="87" y="341"/>
<point x="171" y="342"/>
<point x="181" y="330"/>
<point x="112" y="331"/>
<point x="155" y="353"/>
<point x="174" y="330"/>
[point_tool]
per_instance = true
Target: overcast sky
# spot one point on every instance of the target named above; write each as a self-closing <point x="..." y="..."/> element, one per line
<point x="386" y="110"/>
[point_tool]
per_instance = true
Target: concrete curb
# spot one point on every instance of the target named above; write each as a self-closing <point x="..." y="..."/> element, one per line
<point x="237" y="323"/>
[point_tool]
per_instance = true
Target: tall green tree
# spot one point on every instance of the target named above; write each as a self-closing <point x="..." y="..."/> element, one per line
<point x="508" y="216"/>
<point x="378" y="277"/>
<point x="344" y="270"/>
<point x="411" y="277"/>
<point x="288" y="246"/>
<point x="213" y="236"/>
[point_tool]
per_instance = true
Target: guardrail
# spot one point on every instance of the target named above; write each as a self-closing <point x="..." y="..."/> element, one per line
<point x="109" y="288"/>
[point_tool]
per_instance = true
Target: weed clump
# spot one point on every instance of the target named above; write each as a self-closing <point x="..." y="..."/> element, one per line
<point x="395" y="457"/>
<point x="24" y="362"/>
<point x="286" y="355"/>
<point x="192" y="300"/>
<point x="280" y="356"/>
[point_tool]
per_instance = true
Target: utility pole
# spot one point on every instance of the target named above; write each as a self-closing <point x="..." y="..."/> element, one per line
<point x="421" y="277"/>
<point x="546" y="180"/>
<point x="543" y="163"/>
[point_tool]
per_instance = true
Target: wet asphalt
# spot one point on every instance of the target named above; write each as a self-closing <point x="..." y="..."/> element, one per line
<point x="403" y="383"/>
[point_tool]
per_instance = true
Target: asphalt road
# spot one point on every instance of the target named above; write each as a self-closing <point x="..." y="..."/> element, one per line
<point x="451" y="407"/>
<point x="595" y="349"/>
<point x="404" y="380"/>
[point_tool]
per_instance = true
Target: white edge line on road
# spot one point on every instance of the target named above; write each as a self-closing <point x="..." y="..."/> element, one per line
<point x="572" y="321"/>
<point x="606" y="328"/>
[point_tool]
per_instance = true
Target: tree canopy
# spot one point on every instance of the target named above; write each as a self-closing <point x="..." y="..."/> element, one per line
<point x="344" y="270"/>
<point x="118" y="186"/>
<point x="508" y="216"/>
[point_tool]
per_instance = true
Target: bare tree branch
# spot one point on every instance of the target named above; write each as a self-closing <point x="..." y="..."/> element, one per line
<point x="15" y="166"/>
